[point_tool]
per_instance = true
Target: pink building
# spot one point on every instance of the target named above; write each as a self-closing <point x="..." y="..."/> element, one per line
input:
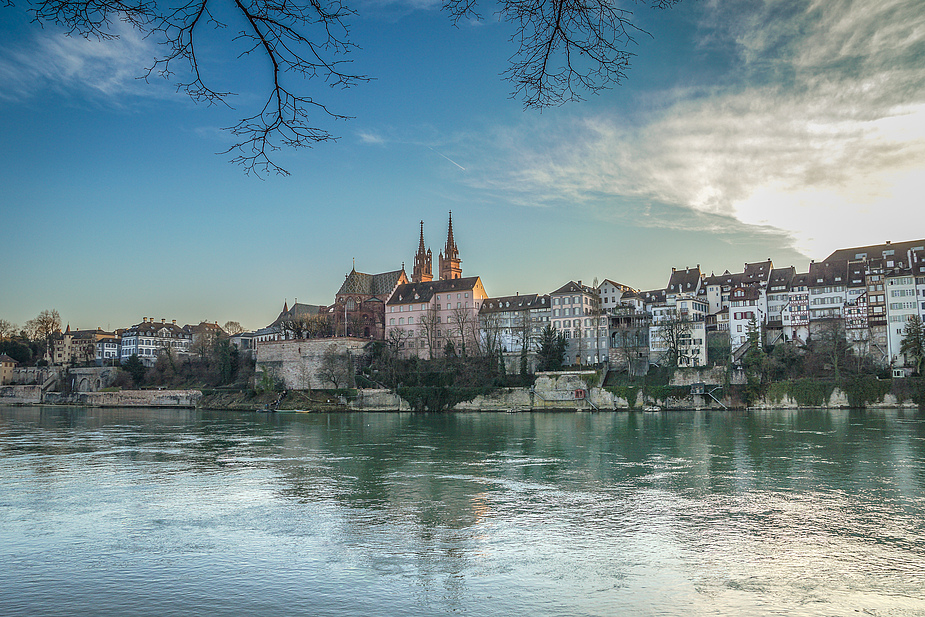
<point x="426" y="317"/>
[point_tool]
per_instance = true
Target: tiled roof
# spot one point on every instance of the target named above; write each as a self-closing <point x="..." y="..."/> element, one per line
<point x="297" y="311"/>
<point x="875" y="251"/>
<point x="151" y="327"/>
<point x="684" y="281"/>
<point x="423" y="292"/>
<point x="620" y="286"/>
<point x="828" y="273"/>
<point x="6" y="358"/>
<point x="575" y="288"/>
<point x="371" y="284"/>
<point x="781" y="278"/>
<point x="514" y="303"/>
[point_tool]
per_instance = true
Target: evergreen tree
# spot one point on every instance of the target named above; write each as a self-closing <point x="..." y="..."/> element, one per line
<point x="552" y="349"/>
<point x="913" y="343"/>
<point x="135" y="368"/>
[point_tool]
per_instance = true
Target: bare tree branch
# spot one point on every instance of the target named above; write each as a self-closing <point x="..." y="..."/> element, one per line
<point x="566" y="49"/>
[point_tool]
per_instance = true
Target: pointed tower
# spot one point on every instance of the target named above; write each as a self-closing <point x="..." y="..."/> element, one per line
<point x="450" y="267"/>
<point x="423" y="271"/>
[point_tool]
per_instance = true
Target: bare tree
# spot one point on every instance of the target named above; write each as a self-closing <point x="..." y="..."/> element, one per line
<point x="356" y="324"/>
<point x="335" y="367"/>
<point x="317" y="326"/>
<point x="7" y="329"/>
<point x="42" y="327"/>
<point x="492" y="334"/>
<point x="232" y="327"/>
<point x="672" y="334"/>
<point x="525" y="338"/>
<point x="461" y="327"/>
<point x="565" y="49"/>
<point x="430" y="326"/>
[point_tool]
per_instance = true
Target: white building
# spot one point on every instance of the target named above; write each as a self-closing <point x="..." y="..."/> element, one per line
<point x="149" y="337"/>
<point x="518" y="320"/>
<point x="577" y="313"/>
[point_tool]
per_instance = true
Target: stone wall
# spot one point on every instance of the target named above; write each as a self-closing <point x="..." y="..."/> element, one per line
<point x="378" y="400"/>
<point x="20" y="395"/>
<point x="298" y="363"/>
<point x="127" y="398"/>
<point x="711" y="376"/>
<point x="33" y="395"/>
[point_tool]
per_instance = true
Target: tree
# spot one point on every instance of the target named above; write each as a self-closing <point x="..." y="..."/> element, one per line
<point x="135" y="368"/>
<point x="462" y="319"/>
<point x="233" y="327"/>
<point x="913" y="343"/>
<point x="334" y="367"/>
<point x="671" y="335"/>
<point x="490" y="335"/>
<point x="523" y="334"/>
<point x="552" y="346"/>
<point x="831" y="344"/>
<point x="564" y="50"/>
<point x="7" y="330"/>
<point x="430" y="323"/>
<point x="42" y="327"/>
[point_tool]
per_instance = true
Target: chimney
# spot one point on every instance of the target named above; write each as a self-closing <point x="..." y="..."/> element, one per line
<point x="163" y="320"/>
<point x="174" y="322"/>
<point x="887" y="241"/>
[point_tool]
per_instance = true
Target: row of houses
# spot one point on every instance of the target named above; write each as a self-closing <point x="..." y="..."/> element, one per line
<point x="866" y="294"/>
<point x="146" y="340"/>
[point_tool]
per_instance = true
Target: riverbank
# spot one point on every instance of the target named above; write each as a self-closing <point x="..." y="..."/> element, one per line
<point x="556" y="395"/>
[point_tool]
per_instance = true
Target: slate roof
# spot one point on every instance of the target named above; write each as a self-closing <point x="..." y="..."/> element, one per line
<point x="828" y="273"/>
<point x="371" y="284"/>
<point x="780" y="279"/>
<point x="753" y="274"/>
<point x="656" y="296"/>
<point x="149" y="328"/>
<point x="685" y="281"/>
<point x="514" y="303"/>
<point x="574" y="288"/>
<point x="874" y="251"/>
<point x="620" y="286"/>
<point x="296" y="311"/>
<point x="6" y="358"/>
<point x="423" y="292"/>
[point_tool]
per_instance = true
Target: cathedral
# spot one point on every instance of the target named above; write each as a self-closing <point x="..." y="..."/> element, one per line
<point x="448" y="259"/>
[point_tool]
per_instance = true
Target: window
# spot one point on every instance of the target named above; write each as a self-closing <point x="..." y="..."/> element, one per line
<point x="401" y="321"/>
<point x="410" y="320"/>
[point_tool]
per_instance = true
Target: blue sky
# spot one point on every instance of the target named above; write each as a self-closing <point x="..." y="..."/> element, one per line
<point x="746" y="130"/>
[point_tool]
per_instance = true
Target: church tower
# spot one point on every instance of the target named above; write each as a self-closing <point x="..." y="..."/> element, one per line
<point x="450" y="267"/>
<point x="422" y="272"/>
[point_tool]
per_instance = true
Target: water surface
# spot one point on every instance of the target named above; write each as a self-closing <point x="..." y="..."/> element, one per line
<point x="177" y="512"/>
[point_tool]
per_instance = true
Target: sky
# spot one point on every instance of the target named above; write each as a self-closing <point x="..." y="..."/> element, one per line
<point x="745" y="130"/>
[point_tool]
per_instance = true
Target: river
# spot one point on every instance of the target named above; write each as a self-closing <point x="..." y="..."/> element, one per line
<point x="152" y="512"/>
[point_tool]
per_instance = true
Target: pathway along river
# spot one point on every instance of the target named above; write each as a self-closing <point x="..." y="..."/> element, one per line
<point x="136" y="512"/>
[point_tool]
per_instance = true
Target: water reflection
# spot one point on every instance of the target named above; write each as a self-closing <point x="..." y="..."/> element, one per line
<point x="166" y="511"/>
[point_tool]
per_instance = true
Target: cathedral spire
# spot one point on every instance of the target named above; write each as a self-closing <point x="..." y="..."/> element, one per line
<point x="450" y="267"/>
<point x="451" y="251"/>
<point x="423" y="271"/>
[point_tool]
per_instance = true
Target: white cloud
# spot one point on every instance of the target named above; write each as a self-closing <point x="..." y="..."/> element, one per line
<point x="101" y="68"/>
<point x="820" y="135"/>
<point x="368" y="137"/>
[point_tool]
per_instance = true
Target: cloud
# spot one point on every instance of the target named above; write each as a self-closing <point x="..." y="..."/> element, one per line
<point x="368" y="137"/>
<point x="818" y="132"/>
<point x="98" y="68"/>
